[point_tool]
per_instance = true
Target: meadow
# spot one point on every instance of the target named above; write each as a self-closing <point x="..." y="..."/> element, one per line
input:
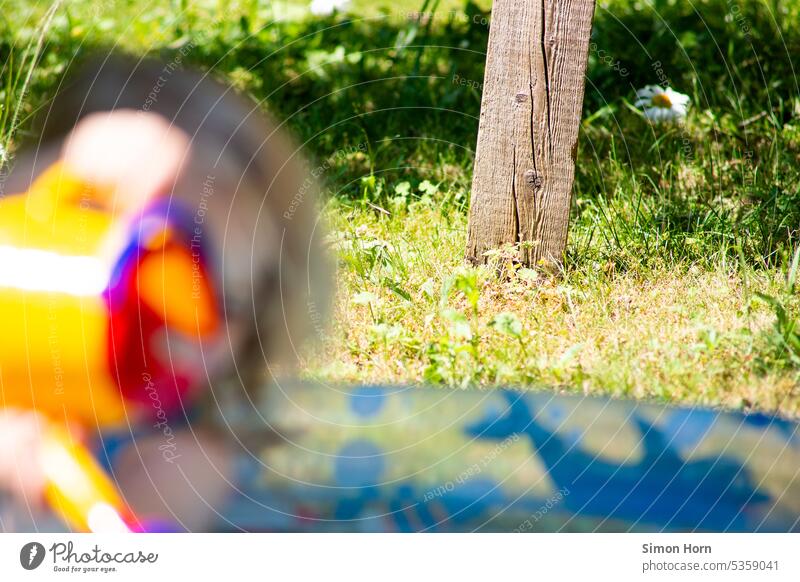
<point x="681" y="275"/>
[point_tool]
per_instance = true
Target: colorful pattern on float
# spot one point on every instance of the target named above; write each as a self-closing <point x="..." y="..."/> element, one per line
<point x="422" y="459"/>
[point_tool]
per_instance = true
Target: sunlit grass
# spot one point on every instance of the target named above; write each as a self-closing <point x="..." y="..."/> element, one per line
<point x="683" y="334"/>
<point x="678" y="282"/>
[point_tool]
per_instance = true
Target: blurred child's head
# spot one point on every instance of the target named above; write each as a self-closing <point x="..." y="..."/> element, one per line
<point x="161" y="131"/>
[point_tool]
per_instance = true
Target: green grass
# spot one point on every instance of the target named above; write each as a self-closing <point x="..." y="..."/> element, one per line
<point x="680" y="279"/>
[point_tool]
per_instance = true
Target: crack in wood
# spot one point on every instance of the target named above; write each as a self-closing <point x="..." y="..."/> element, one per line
<point x="547" y="89"/>
<point x="517" y="233"/>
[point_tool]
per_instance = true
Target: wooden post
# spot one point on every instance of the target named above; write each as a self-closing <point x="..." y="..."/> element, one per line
<point x="528" y="132"/>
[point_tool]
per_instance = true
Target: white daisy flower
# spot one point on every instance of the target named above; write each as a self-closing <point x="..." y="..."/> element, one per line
<point x="662" y="104"/>
<point x="327" y="7"/>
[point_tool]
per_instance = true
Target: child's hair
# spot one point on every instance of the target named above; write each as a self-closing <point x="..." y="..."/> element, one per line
<point x="245" y="177"/>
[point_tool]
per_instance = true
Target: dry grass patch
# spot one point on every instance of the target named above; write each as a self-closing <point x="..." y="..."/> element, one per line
<point x="408" y="310"/>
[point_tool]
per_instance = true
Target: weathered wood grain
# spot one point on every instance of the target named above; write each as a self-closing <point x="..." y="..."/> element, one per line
<point x="528" y="133"/>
